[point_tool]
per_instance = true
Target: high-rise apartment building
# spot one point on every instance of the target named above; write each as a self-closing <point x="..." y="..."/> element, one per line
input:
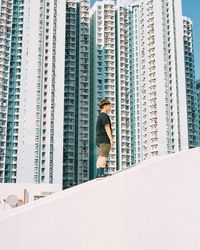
<point x="76" y="92"/>
<point x="6" y="19"/>
<point x="149" y="82"/>
<point x="161" y="118"/>
<point x="102" y="70"/>
<point x="33" y="95"/>
<point x="198" y="101"/>
<point x="191" y="91"/>
<point x="41" y="124"/>
<point x="44" y="91"/>
<point x="15" y="76"/>
<point x="123" y="97"/>
<point x="135" y="86"/>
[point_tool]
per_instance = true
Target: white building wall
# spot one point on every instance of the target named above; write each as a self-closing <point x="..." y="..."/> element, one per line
<point x="181" y="76"/>
<point x="162" y="117"/>
<point x="118" y="83"/>
<point x="123" y="138"/>
<point x="59" y="97"/>
<point x="163" y="93"/>
<point x="172" y="112"/>
<point x="26" y="137"/>
<point x="146" y="53"/>
<point x="135" y="82"/>
<point x="27" y="172"/>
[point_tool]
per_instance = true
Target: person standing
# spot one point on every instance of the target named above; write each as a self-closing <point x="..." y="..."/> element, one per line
<point x="104" y="138"/>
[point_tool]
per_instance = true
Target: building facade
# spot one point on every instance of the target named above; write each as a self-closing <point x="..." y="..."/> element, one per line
<point x="33" y="126"/>
<point x="191" y="91"/>
<point x="158" y="112"/>
<point x="163" y="119"/>
<point x="6" y="19"/>
<point x="123" y="97"/>
<point x="42" y="96"/>
<point x="150" y="91"/>
<point x="102" y="74"/>
<point x="135" y="86"/>
<point x="76" y="92"/>
<point x="45" y="92"/>
<point x="198" y="101"/>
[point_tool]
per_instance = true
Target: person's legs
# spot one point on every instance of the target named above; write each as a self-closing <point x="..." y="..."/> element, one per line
<point x="102" y="158"/>
<point x="101" y="162"/>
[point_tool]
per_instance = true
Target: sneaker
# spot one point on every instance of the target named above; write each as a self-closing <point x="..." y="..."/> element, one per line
<point x="99" y="172"/>
<point x="105" y="175"/>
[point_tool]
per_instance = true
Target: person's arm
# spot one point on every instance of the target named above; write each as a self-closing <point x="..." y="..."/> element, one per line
<point x="109" y="133"/>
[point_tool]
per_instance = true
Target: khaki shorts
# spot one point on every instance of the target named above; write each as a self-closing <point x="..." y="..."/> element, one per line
<point x="103" y="149"/>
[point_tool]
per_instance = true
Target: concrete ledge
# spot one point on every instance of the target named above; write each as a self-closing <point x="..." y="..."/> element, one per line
<point x="154" y="206"/>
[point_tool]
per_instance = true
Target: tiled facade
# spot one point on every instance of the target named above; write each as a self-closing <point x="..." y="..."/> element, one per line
<point x="192" y="103"/>
<point x="76" y="103"/>
<point x="102" y="67"/>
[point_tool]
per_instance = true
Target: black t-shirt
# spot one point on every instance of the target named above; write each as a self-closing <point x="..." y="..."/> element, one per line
<point x="101" y="135"/>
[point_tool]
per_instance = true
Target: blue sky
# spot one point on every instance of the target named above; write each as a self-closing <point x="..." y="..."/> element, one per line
<point x="191" y="8"/>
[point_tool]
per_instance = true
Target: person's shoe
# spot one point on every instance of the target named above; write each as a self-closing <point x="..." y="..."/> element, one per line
<point x="98" y="173"/>
<point x="101" y="171"/>
<point x="105" y="175"/>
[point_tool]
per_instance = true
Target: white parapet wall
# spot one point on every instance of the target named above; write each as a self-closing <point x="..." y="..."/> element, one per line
<point x="154" y="206"/>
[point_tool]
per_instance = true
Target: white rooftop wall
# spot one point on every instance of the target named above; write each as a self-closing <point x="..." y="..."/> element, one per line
<point x="153" y="206"/>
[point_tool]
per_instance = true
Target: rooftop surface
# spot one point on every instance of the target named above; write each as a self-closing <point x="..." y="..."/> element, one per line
<point x="153" y="206"/>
